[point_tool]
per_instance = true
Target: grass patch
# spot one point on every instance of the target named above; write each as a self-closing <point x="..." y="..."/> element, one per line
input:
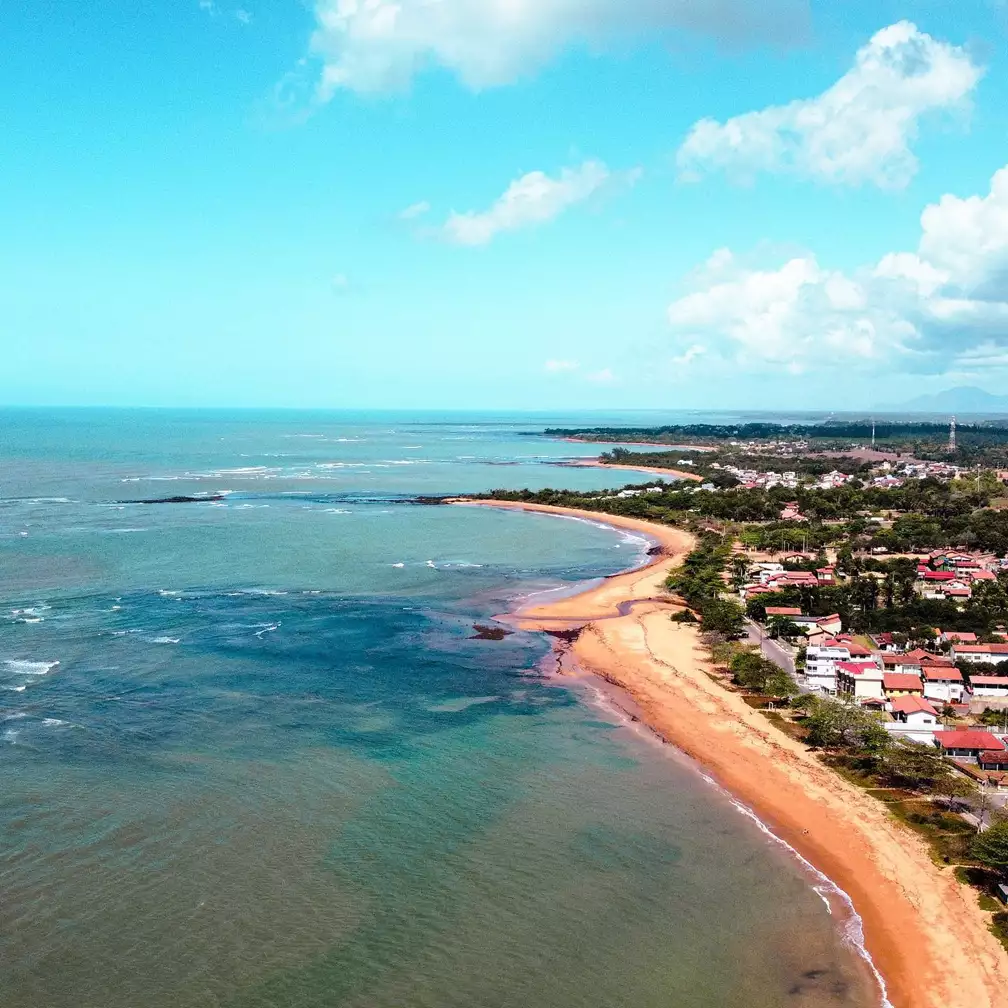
<point x="999" y="928"/>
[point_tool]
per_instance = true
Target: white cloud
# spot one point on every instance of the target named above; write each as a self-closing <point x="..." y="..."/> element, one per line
<point x="603" y="377"/>
<point x="244" y="16"/>
<point x="942" y="307"/>
<point x="415" y="210"/>
<point x="209" y="6"/>
<point x="859" y="130"/>
<point x="378" y="45"/>
<point x="560" y="366"/>
<point x="532" y="199"/>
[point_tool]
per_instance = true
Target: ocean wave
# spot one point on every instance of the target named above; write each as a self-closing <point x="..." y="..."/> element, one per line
<point x="165" y="640"/>
<point x="26" y="667"/>
<point x="266" y="628"/>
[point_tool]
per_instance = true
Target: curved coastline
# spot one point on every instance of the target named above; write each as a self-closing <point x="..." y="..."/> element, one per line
<point x="922" y="930"/>
<point x="654" y="470"/>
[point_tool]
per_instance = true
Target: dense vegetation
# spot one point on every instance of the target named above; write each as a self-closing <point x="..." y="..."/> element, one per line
<point x="833" y="430"/>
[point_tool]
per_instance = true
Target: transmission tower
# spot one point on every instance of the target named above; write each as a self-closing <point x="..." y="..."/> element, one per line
<point x="873" y="435"/>
<point x="952" y="436"/>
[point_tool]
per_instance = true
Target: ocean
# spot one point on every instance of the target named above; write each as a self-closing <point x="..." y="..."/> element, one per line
<point x="255" y="752"/>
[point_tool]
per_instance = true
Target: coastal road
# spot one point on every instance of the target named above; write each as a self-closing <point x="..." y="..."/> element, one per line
<point x="770" y="648"/>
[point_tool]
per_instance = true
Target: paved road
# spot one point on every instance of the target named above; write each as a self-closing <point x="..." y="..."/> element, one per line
<point x="771" y="649"/>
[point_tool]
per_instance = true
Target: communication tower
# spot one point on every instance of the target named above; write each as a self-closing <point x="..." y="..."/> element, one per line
<point x="952" y="436"/>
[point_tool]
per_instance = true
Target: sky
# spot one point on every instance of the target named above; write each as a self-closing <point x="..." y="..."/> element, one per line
<point x="502" y="204"/>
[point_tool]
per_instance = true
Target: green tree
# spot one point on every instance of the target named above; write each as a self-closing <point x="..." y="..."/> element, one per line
<point x="990" y="848"/>
<point x="722" y="617"/>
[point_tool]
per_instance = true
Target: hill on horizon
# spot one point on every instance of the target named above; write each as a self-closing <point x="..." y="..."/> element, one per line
<point x="962" y="399"/>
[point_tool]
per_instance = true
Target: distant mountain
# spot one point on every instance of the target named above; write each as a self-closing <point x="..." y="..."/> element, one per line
<point x="958" y="400"/>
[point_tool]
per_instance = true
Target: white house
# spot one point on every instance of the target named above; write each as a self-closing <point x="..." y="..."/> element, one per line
<point x="820" y="664"/>
<point x="989" y="686"/>
<point x="859" y="680"/>
<point x="914" y="719"/>
<point x="944" y="684"/>
<point x="992" y="654"/>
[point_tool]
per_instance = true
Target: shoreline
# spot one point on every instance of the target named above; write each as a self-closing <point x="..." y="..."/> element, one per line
<point x="654" y="470"/>
<point x="923" y="931"/>
<point x="642" y="444"/>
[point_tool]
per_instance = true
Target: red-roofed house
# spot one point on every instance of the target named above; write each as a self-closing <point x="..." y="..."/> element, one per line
<point x="913" y="710"/>
<point x="943" y="683"/>
<point x="860" y="680"/>
<point x="783" y="611"/>
<point x="995" y="759"/>
<point x="967" y="743"/>
<point x="901" y="684"/>
<point x="951" y="636"/>
<point x="989" y="686"/>
<point x="826" y="575"/>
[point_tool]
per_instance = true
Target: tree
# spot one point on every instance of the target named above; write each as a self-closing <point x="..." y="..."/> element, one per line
<point x="990" y="848"/>
<point x="835" y="725"/>
<point x="783" y="627"/>
<point x="723" y="617"/>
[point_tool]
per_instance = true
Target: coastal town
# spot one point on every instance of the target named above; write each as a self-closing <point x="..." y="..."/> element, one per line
<point x="855" y="594"/>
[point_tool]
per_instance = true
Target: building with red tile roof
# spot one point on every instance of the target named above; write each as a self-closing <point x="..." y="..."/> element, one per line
<point x="968" y="743"/>
<point x="900" y="684"/>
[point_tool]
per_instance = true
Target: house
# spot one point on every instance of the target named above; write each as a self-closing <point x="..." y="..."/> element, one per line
<point x="831" y="624"/>
<point x="902" y="684"/>
<point x="914" y="719"/>
<point x="785" y="611"/>
<point x="992" y="654"/>
<point x="820" y="664"/>
<point x="989" y="686"/>
<point x="884" y="642"/>
<point x="943" y="683"/>
<point x="993" y="759"/>
<point x="957" y="636"/>
<point x="859" y="680"/>
<point x="967" y="743"/>
<point x="914" y="710"/>
<point x="791" y="513"/>
<point x="914" y="662"/>
<point x="826" y="575"/>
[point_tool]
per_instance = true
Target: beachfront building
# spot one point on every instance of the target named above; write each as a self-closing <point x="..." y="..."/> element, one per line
<point x="859" y="680"/>
<point x="944" y="684"/>
<point x="902" y="684"/>
<point x="995" y="687"/>
<point x="968" y="744"/>
<point x="992" y="654"/>
<point x="820" y="665"/>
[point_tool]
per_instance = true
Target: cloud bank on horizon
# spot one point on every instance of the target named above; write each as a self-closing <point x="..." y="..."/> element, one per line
<point x="941" y="308"/>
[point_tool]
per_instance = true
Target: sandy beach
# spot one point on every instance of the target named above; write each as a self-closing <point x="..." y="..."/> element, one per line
<point x="595" y="464"/>
<point x="923" y="930"/>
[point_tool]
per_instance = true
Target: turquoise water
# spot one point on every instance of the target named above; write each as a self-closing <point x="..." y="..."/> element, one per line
<point x="254" y="755"/>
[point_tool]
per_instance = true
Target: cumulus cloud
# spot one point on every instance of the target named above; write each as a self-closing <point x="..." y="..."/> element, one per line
<point x="244" y="16"/>
<point x="859" y="130"/>
<point x="532" y="199"/>
<point x="560" y="366"/>
<point x="940" y="308"/>
<point x="378" y="45"/>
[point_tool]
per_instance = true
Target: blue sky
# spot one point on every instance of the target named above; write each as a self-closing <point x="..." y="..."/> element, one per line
<point x="502" y="203"/>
